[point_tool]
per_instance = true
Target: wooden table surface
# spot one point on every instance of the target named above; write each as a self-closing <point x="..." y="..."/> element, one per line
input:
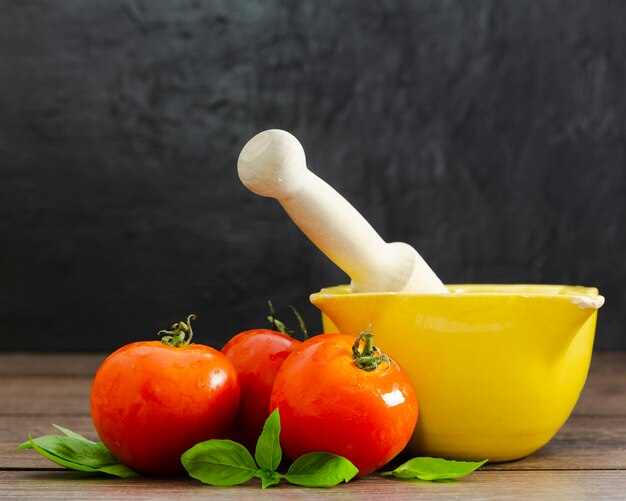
<point x="585" y="460"/>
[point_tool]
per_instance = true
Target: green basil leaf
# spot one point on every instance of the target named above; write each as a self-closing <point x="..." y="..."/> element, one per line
<point x="434" y="469"/>
<point x="219" y="462"/>
<point x="119" y="470"/>
<point x="31" y="444"/>
<point x="268" y="453"/>
<point x="71" y="433"/>
<point x="268" y="478"/>
<point x="320" y="469"/>
<point x="78" y="454"/>
<point x="76" y="451"/>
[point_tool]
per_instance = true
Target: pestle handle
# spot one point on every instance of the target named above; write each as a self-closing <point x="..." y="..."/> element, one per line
<point x="273" y="164"/>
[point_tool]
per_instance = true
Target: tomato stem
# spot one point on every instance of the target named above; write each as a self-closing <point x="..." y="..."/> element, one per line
<point x="370" y="358"/>
<point x="305" y="332"/>
<point x="180" y="335"/>
<point x="279" y="326"/>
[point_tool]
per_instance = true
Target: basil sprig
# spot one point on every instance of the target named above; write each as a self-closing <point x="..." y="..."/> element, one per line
<point x="78" y="453"/>
<point x="434" y="469"/>
<point x="224" y="462"/>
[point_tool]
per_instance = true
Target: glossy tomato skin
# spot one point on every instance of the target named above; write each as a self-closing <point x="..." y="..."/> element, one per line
<point x="151" y="402"/>
<point x="257" y="355"/>
<point x="328" y="404"/>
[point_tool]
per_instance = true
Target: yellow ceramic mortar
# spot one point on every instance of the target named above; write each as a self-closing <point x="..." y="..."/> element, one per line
<point x="497" y="368"/>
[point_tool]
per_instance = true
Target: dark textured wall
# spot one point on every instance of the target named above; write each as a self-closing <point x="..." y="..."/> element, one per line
<point x="491" y="135"/>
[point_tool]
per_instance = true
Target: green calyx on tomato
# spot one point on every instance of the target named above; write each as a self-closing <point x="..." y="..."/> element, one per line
<point x="370" y="357"/>
<point x="180" y="335"/>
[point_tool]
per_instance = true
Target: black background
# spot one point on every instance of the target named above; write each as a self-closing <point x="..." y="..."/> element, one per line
<point x="490" y="135"/>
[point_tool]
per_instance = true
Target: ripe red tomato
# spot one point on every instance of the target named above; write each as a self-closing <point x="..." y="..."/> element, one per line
<point x="328" y="404"/>
<point x="150" y="401"/>
<point x="257" y="356"/>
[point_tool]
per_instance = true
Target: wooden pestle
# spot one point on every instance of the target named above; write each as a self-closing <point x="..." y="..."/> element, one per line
<point x="273" y="164"/>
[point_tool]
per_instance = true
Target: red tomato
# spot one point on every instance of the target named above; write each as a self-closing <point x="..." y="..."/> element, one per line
<point x="257" y="356"/>
<point x="151" y="402"/>
<point x="328" y="404"/>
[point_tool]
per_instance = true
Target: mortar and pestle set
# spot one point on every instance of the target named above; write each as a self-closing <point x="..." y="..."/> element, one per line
<point x="497" y="368"/>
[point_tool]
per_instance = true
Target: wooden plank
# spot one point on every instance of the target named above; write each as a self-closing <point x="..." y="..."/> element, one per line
<point x="586" y="459"/>
<point x="86" y="364"/>
<point x="605" y="390"/>
<point x="584" y="442"/>
<point x="50" y="364"/>
<point x="62" y="485"/>
<point x="41" y="395"/>
<point x="605" y="361"/>
<point x="32" y="392"/>
<point x="604" y="393"/>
